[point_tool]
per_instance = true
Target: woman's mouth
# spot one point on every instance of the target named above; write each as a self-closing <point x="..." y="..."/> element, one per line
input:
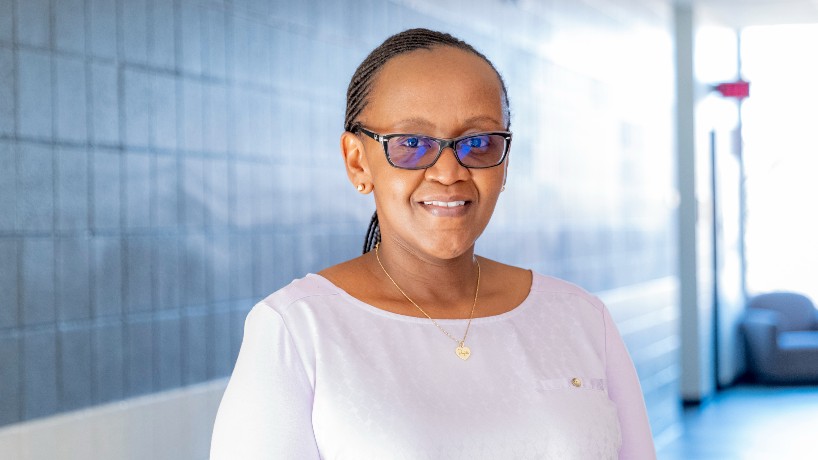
<point x="453" y="208"/>
<point x="445" y="204"/>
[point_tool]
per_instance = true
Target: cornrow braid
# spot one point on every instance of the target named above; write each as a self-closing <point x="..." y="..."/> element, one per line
<point x="362" y="80"/>
<point x="373" y="233"/>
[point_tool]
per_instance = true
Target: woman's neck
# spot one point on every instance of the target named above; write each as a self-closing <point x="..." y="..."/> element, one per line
<point x="436" y="285"/>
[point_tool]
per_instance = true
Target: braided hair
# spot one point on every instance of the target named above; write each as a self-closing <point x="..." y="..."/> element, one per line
<point x="364" y="77"/>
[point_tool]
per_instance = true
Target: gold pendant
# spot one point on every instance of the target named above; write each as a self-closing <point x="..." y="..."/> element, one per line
<point x="463" y="352"/>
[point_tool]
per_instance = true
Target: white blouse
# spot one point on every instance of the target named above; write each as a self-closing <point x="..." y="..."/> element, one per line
<point x="321" y="374"/>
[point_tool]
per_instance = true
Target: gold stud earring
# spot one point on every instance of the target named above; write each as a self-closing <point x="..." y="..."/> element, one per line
<point x="360" y="187"/>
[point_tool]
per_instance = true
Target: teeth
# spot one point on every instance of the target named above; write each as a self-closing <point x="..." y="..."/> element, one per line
<point x="445" y="204"/>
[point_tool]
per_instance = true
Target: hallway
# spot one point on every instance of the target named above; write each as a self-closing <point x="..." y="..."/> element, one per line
<point x="749" y="422"/>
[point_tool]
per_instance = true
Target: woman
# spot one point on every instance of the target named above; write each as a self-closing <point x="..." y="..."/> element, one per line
<point x="418" y="348"/>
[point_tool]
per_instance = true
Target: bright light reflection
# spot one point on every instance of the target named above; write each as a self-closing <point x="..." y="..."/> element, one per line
<point x="781" y="158"/>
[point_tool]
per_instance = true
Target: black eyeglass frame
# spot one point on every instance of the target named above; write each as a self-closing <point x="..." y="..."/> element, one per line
<point x="442" y="144"/>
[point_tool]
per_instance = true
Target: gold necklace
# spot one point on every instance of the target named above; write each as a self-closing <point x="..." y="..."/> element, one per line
<point x="462" y="351"/>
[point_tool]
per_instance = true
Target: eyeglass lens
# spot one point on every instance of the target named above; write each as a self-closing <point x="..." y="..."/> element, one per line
<point x="481" y="151"/>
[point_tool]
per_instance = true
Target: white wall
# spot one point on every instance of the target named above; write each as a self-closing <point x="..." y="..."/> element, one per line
<point x="173" y="425"/>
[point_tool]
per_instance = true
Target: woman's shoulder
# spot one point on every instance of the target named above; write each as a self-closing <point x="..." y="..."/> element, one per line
<point x="546" y="284"/>
<point x="298" y="289"/>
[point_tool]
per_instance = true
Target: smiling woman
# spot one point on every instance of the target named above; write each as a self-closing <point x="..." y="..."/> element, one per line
<point x="420" y="348"/>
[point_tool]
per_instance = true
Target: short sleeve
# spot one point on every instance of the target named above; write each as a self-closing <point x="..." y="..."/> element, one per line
<point x="625" y="391"/>
<point x="266" y="410"/>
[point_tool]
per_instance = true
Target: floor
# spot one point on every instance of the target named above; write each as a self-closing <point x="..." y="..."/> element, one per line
<point x="750" y="422"/>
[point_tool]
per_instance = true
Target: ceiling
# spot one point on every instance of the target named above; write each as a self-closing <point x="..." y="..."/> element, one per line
<point x="742" y="13"/>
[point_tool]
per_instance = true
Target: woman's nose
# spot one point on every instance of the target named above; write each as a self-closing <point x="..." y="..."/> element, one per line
<point x="447" y="170"/>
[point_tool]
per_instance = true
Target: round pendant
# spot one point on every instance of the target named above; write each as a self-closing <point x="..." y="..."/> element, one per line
<point x="463" y="352"/>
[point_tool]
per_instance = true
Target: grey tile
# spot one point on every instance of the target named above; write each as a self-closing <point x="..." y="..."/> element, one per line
<point x="134" y="23"/>
<point x="216" y="116"/>
<point x="71" y="99"/>
<point x="219" y="345"/>
<point x="241" y="266"/>
<point x="137" y="190"/>
<point x="33" y="20"/>
<point x="104" y="103"/>
<point x="108" y="368"/>
<point x="162" y="43"/>
<point x="218" y="193"/>
<point x="266" y="263"/>
<point x="75" y="369"/>
<point x="298" y="63"/>
<point x="195" y="259"/>
<point x="259" y="52"/>
<point x="285" y="259"/>
<point x="40" y="397"/>
<point x="299" y="139"/>
<point x="6" y="21"/>
<point x="139" y="368"/>
<point x="262" y="119"/>
<point x="190" y="29"/>
<point x="38" y="281"/>
<point x="269" y="212"/>
<point x="137" y="108"/>
<point x="244" y="214"/>
<point x="107" y="273"/>
<point x="69" y="25"/>
<point x="102" y="28"/>
<point x="195" y="348"/>
<point x="169" y="348"/>
<point x="214" y="42"/>
<point x="10" y="388"/>
<point x="138" y="278"/>
<point x="34" y="94"/>
<point x="312" y="252"/>
<point x="9" y="302"/>
<point x="193" y="118"/>
<point x="279" y="55"/>
<point x="240" y="48"/>
<point x="7" y="95"/>
<point x="242" y="124"/>
<point x="106" y="190"/>
<point x="193" y="193"/>
<point x="166" y="207"/>
<point x="73" y="274"/>
<point x="166" y="263"/>
<point x="8" y="186"/>
<point x="219" y="267"/>
<point x="72" y="189"/>
<point x="35" y="197"/>
<point x="163" y="110"/>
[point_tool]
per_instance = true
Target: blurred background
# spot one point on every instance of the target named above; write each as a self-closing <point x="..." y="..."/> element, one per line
<point x="165" y="164"/>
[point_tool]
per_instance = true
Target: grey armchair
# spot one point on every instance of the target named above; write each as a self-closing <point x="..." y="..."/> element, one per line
<point x="781" y="332"/>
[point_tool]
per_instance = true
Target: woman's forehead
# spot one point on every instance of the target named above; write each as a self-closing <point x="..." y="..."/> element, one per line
<point x="442" y="85"/>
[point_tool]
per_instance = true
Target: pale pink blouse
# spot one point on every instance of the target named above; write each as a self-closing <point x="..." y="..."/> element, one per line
<point x="323" y="375"/>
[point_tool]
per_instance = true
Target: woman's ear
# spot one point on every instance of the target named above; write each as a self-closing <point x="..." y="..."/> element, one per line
<point x="352" y="147"/>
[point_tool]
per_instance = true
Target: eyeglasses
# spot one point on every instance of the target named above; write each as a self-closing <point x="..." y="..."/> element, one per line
<point x="415" y="151"/>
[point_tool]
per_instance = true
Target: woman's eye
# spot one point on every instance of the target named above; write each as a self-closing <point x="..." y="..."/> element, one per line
<point x="411" y="142"/>
<point x="477" y="142"/>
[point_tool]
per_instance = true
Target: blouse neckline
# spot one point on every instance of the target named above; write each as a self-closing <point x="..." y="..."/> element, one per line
<point x="535" y="280"/>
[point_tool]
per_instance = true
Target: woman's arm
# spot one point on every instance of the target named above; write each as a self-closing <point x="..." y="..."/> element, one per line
<point x="266" y="411"/>
<point x="625" y="391"/>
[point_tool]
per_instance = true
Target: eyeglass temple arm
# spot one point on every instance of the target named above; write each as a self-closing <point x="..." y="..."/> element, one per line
<point x="369" y="133"/>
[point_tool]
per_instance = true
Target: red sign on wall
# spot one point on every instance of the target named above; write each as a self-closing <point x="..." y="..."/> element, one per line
<point x="737" y="90"/>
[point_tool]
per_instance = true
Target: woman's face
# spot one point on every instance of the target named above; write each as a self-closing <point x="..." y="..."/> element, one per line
<point x="445" y="93"/>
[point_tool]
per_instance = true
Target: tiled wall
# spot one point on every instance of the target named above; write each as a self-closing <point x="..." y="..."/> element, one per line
<point x="166" y="163"/>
